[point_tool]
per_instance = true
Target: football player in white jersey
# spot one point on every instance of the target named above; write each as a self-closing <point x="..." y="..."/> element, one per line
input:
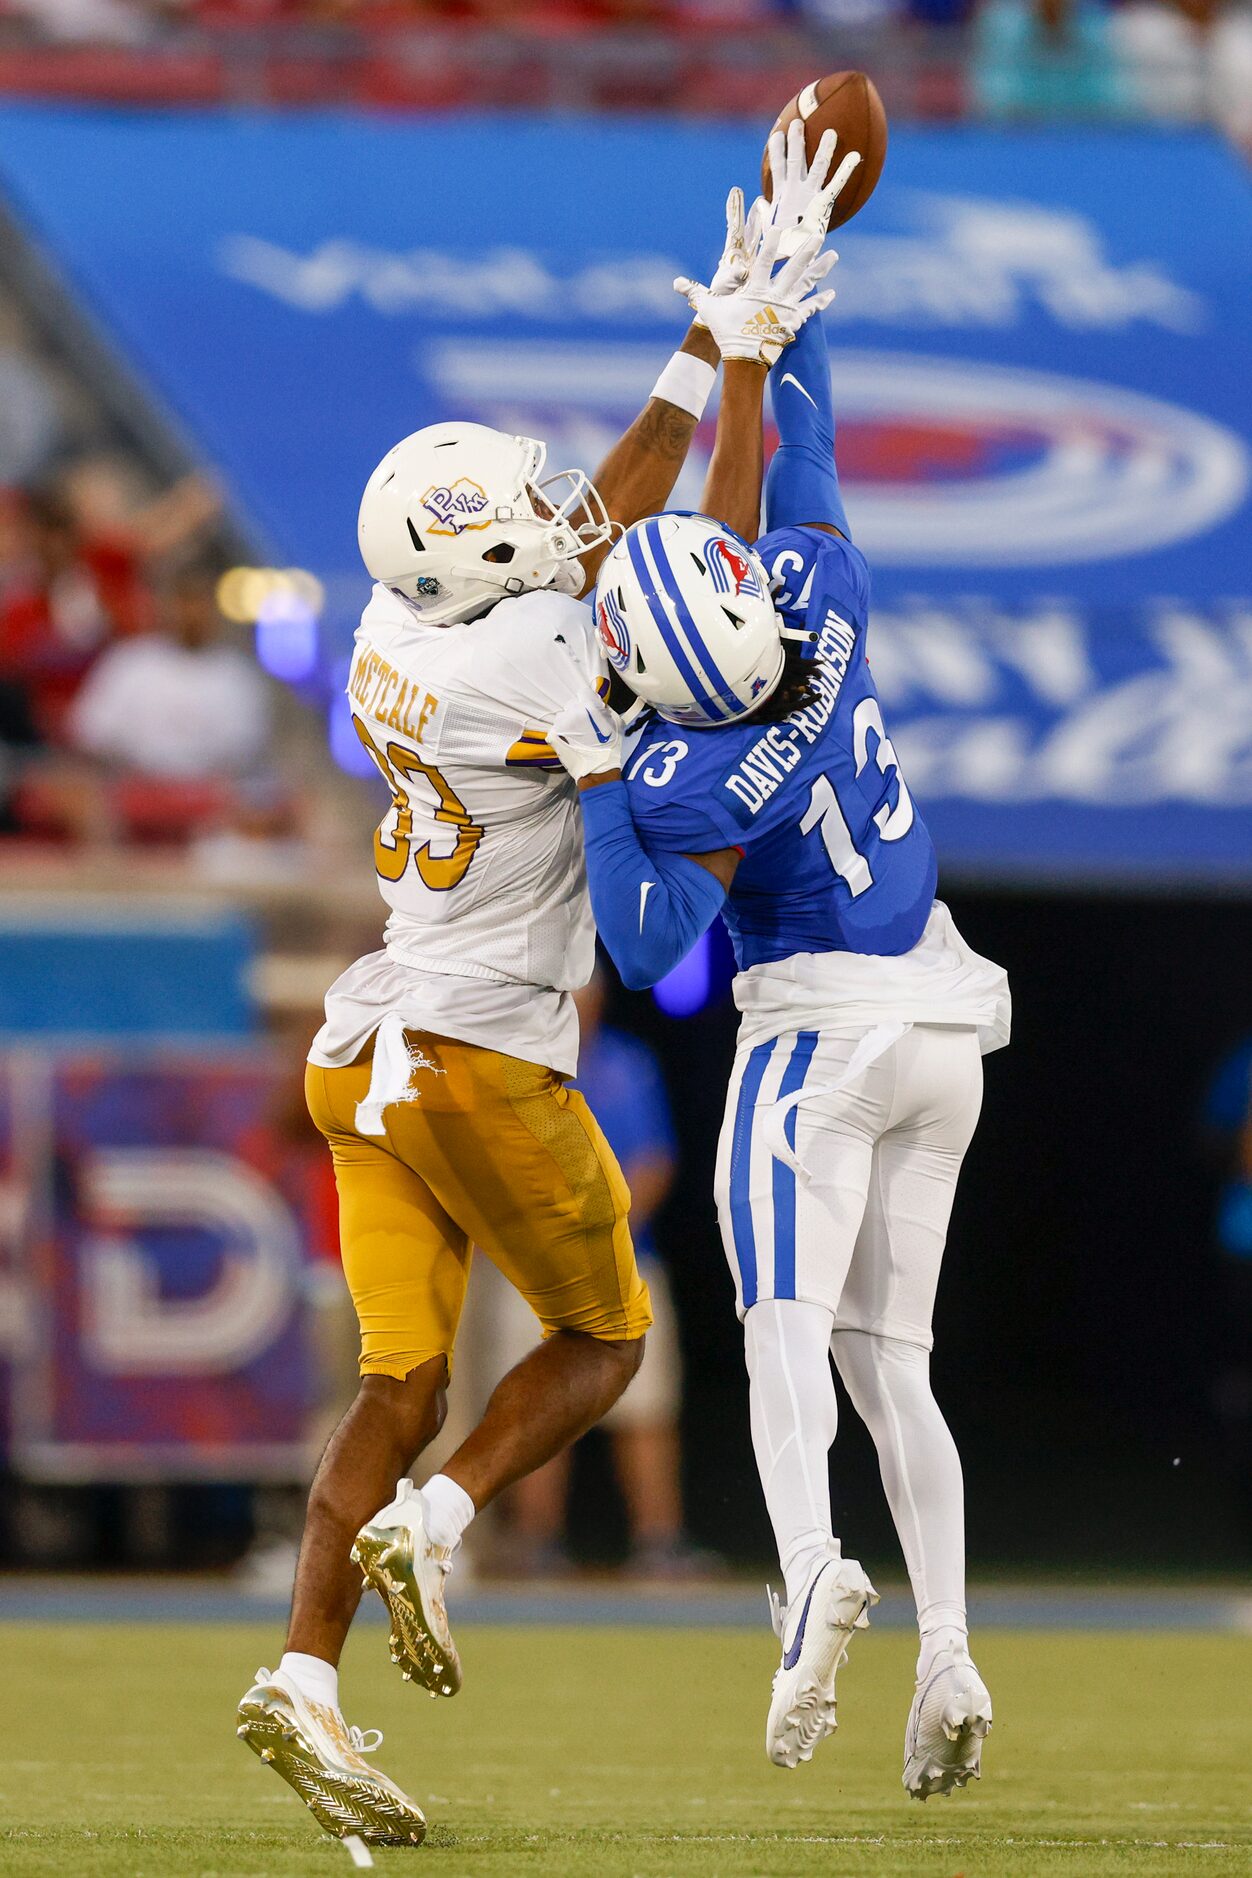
<point x="439" y="1075"/>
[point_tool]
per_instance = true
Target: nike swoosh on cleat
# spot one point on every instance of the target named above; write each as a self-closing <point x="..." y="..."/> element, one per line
<point x="792" y="1656"/>
<point x="644" y="891"/>
<point x="789" y="378"/>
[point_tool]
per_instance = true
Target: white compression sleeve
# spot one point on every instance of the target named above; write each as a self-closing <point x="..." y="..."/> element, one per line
<point x="791" y="1395"/>
<point x="889" y="1385"/>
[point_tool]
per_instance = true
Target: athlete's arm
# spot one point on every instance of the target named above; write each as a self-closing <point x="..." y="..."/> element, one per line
<point x="649" y="908"/>
<point x="754" y="325"/>
<point x="637" y="477"/>
<point x="732" y="490"/>
<point x="802" y="484"/>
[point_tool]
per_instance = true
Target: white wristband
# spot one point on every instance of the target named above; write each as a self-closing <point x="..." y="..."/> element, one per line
<point x="686" y="382"/>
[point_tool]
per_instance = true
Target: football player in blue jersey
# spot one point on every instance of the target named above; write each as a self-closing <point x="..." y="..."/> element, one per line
<point x="761" y="784"/>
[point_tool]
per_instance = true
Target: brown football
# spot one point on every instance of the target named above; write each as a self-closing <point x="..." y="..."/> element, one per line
<point x="848" y="103"/>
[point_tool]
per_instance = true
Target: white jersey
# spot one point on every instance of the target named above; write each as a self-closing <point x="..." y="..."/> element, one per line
<point x="480" y="856"/>
<point x="942" y="980"/>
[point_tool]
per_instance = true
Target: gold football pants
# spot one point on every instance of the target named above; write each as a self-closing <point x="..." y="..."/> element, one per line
<point x="489" y="1151"/>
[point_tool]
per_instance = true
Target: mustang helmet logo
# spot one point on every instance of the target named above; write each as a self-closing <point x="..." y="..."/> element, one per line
<point x="732" y="570"/>
<point x="454" y="506"/>
<point x="614" y="635"/>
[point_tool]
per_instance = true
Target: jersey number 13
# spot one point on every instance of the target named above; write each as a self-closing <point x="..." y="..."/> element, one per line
<point x="825" y="813"/>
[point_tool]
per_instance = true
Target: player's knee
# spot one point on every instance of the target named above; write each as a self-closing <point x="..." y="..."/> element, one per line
<point x="415" y="1405"/>
<point x="628" y="1355"/>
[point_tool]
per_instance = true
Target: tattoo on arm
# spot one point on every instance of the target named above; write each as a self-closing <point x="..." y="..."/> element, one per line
<point x="665" y="429"/>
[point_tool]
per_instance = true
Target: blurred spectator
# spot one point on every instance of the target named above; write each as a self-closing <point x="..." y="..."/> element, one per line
<point x="621" y="1080"/>
<point x="1188" y="58"/>
<point x="1228" y="1117"/>
<point x="1049" y="59"/>
<point x="177" y="702"/>
<point x="110" y="504"/>
<point x="66" y="594"/>
<point x="88" y="22"/>
<point x="75" y="559"/>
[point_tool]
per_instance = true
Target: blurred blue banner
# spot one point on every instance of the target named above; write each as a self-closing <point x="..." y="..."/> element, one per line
<point x="154" y="1284"/>
<point x="1043" y="374"/>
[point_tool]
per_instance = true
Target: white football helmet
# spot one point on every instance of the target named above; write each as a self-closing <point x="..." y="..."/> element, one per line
<point x="450" y="496"/>
<point x="684" y="613"/>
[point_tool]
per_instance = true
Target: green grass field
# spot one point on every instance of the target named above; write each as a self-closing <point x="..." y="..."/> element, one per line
<point x="630" y="1752"/>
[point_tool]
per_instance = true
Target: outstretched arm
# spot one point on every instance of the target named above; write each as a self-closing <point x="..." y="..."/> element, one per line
<point x="753" y="325"/>
<point x="802" y="486"/>
<point x="638" y="475"/>
<point x="732" y="490"/>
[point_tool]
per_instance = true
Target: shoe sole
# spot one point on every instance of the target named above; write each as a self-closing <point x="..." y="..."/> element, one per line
<point x="965" y="1746"/>
<point x="340" y="1803"/>
<point x="811" y="1694"/>
<point x="385" y="1556"/>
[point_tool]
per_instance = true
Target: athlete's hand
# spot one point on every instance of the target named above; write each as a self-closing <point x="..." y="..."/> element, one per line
<point x="756" y="320"/>
<point x="796" y="182"/>
<point x="743" y="235"/>
<point x="588" y="739"/>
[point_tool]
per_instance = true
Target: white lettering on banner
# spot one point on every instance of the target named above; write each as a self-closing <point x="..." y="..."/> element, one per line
<point x="1095" y="471"/>
<point x="1176" y="728"/>
<point x="973" y="262"/>
<point x="129" y="1329"/>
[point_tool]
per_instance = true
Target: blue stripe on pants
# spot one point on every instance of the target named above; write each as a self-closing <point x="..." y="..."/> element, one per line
<point x="741" y="1229"/>
<point x="784" y="1180"/>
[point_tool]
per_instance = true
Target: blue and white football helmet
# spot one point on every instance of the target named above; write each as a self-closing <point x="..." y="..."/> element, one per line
<point x="684" y="613"/>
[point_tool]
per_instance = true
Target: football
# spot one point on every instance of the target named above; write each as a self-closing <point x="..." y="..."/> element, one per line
<point x="848" y="103"/>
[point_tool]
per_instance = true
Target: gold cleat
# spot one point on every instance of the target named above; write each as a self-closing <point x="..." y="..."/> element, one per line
<point x="321" y="1758"/>
<point x="408" y="1573"/>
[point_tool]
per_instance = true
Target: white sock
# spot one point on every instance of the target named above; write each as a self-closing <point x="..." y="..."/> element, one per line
<point x="313" y="1677"/>
<point x="889" y="1383"/>
<point x="449" y="1510"/>
<point x="935" y="1641"/>
<point x="791" y="1395"/>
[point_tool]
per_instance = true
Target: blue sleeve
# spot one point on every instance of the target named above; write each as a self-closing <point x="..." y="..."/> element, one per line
<point x="650" y="908"/>
<point x="802" y="483"/>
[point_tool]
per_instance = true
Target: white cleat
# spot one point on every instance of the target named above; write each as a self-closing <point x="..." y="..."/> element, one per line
<point x="318" y="1755"/>
<point x="408" y="1573"/>
<point x="948" y="1722"/>
<point x="815" y="1634"/>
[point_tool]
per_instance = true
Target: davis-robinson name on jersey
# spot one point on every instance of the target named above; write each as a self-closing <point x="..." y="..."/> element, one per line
<point x="780" y="748"/>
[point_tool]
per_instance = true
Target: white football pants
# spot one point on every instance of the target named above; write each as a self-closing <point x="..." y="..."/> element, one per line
<point x="838" y="1248"/>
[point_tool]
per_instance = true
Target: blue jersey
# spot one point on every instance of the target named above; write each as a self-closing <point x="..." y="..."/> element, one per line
<point x="835" y="856"/>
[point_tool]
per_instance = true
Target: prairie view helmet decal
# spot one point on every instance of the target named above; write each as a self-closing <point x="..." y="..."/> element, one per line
<point x="614" y="635"/>
<point x="732" y="570"/>
<point x="456" y="506"/>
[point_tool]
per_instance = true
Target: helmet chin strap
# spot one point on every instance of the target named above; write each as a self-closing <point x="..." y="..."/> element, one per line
<point x="760" y="703"/>
<point x="744" y="716"/>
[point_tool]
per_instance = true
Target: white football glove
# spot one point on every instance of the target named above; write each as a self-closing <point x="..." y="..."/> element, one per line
<point x="588" y="739"/>
<point x="742" y="239"/>
<point x="795" y="182"/>
<point x="759" y="318"/>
